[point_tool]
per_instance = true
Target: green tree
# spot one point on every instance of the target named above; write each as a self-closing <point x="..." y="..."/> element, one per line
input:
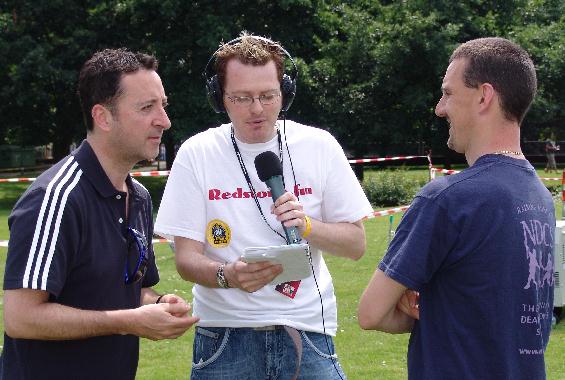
<point x="379" y="76"/>
<point x="42" y="43"/>
<point x="369" y="71"/>
<point x="540" y="29"/>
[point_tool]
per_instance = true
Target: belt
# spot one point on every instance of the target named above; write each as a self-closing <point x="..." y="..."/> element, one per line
<point x="268" y="328"/>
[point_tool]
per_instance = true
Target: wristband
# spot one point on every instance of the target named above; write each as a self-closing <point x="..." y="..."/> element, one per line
<point x="159" y="298"/>
<point x="308" y="227"/>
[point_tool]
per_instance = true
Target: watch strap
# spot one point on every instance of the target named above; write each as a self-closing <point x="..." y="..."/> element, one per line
<point x="221" y="278"/>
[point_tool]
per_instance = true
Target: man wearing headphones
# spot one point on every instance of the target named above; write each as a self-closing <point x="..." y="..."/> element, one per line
<point x="215" y="206"/>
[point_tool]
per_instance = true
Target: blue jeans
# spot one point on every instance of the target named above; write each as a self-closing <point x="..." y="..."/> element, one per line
<point x="249" y="354"/>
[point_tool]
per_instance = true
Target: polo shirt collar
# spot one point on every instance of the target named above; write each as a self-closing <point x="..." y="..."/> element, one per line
<point x="92" y="169"/>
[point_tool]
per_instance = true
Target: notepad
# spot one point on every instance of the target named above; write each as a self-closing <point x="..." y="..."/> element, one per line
<point x="293" y="257"/>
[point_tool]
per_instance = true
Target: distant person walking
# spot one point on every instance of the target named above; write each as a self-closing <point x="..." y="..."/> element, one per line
<point x="550" y="149"/>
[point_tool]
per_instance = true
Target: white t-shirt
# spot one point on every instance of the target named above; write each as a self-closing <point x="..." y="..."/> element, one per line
<point x="207" y="199"/>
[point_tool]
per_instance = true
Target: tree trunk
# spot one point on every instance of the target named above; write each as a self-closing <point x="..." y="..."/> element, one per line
<point x="358" y="170"/>
<point x="170" y="151"/>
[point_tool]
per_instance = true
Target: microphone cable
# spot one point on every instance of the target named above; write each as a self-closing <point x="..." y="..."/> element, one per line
<point x="310" y="259"/>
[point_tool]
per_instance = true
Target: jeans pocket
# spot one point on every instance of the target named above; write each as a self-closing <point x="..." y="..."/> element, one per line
<point x="209" y="343"/>
<point x="321" y="344"/>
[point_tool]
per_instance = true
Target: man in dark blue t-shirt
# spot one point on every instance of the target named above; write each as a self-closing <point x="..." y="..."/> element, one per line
<point x="80" y="261"/>
<point x="477" y="245"/>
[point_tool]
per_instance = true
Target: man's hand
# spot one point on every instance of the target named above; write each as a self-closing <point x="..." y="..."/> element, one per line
<point x="409" y="303"/>
<point x="251" y="277"/>
<point x="344" y="239"/>
<point x="174" y="299"/>
<point x="289" y="211"/>
<point x="162" y="320"/>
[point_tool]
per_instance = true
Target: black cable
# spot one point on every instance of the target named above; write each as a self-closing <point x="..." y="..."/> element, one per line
<point x="248" y="179"/>
<point x="310" y="260"/>
<point x="323" y="320"/>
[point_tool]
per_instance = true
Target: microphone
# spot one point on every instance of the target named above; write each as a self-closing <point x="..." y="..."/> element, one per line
<point x="269" y="170"/>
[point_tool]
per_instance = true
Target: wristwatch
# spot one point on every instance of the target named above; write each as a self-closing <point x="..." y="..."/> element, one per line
<point x="220" y="278"/>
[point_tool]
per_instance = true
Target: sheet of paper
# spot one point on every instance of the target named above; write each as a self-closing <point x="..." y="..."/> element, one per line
<point x="294" y="258"/>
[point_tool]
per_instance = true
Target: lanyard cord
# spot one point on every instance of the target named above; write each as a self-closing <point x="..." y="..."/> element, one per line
<point x="246" y="175"/>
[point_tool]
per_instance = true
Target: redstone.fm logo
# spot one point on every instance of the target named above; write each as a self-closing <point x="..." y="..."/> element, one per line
<point x="218" y="194"/>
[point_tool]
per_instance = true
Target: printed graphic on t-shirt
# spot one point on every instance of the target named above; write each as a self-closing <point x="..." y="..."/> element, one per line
<point x="215" y="194"/>
<point x="218" y="233"/>
<point x="288" y="289"/>
<point x="538" y="249"/>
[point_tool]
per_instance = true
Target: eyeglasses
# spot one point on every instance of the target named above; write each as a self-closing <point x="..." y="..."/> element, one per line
<point x="137" y="247"/>
<point x="246" y="101"/>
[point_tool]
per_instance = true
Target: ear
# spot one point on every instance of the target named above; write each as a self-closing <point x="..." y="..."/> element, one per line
<point x="101" y="117"/>
<point x="488" y="95"/>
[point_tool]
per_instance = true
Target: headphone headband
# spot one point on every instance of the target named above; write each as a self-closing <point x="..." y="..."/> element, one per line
<point x="214" y="91"/>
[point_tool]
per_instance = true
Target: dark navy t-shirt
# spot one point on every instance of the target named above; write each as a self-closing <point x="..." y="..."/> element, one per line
<point x="478" y="246"/>
<point x="68" y="236"/>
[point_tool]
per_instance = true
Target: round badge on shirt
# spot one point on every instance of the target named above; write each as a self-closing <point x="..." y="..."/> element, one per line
<point x="218" y="233"/>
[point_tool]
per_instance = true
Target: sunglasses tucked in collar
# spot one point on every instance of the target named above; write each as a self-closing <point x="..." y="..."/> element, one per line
<point x="137" y="247"/>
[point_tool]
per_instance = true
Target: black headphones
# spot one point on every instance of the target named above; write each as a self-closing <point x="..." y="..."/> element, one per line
<point x="214" y="90"/>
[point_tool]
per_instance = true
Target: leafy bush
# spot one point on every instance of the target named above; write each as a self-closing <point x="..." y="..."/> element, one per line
<point x="392" y="188"/>
<point x="156" y="187"/>
<point x="554" y="189"/>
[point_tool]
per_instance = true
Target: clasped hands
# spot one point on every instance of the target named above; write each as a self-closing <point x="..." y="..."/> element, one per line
<point x="409" y="303"/>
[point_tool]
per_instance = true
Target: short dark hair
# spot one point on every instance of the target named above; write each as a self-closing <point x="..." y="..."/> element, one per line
<point x="100" y="77"/>
<point x="249" y="50"/>
<point x="506" y="66"/>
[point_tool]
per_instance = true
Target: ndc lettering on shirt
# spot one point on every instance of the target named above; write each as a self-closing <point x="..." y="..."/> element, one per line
<point x="538" y="246"/>
<point x="218" y="194"/>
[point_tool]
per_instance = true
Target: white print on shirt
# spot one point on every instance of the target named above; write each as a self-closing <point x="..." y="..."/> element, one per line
<point x="538" y="245"/>
<point x="534" y="314"/>
<point x="538" y="242"/>
<point x="531" y="207"/>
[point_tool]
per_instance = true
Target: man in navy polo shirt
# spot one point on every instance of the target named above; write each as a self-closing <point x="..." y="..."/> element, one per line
<point x="477" y="245"/>
<point x="80" y="262"/>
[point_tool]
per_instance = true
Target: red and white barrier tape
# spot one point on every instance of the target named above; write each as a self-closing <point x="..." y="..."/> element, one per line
<point x="165" y="173"/>
<point x="367" y="160"/>
<point x="4" y="243"/>
<point x="446" y="171"/>
<point x="31" y="179"/>
<point x="390" y="211"/>
<point x="386" y="212"/>
<point x="155" y="173"/>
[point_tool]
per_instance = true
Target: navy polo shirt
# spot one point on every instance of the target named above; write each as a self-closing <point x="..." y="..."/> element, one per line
<point x="68" y="236"/>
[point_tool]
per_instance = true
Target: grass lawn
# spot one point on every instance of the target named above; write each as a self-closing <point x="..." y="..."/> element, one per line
<point x="363" y="355"/>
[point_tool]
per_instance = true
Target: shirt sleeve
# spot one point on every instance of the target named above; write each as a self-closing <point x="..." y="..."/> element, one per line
<point x="182" y="210"/>
<point x="422" y="241"/>
<point x="343" y="199"/>
<point x="44" y="235"/>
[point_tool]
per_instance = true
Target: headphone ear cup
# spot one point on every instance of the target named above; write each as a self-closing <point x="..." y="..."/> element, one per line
<point x="288" y="90"/>
<point x="214" y="94"/>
